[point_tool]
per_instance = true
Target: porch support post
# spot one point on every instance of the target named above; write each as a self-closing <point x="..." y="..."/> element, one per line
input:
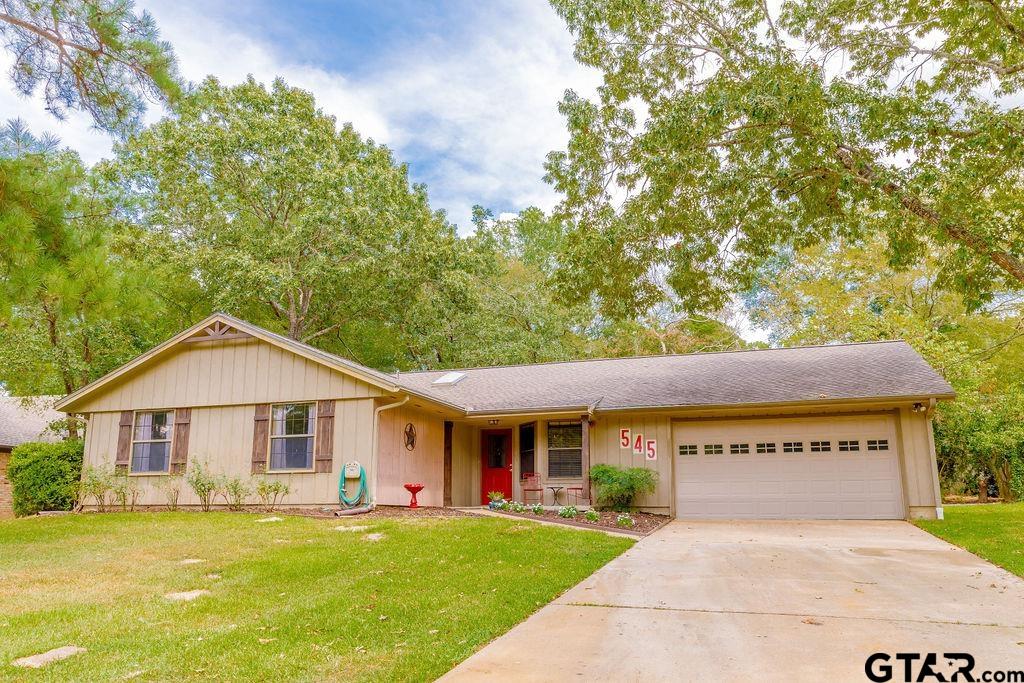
<point x="585" y="423"/>
<point x="447" y="463"/>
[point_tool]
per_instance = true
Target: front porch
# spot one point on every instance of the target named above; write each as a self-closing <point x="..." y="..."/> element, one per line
<point x="530" y="459"/>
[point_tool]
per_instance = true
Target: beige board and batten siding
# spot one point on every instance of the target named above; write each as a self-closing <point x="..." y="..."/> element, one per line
<point x="221" y="438"/>
<point x="465" y="465"/>
<point x="223" y="382"/>
<point x="397" y="465"/>
<point x="225" y="373"/>
<point x="919" y="467"/>
<point x="605" y="447"/>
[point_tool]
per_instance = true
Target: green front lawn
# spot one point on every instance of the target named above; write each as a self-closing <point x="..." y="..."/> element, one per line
<point x="994" y="532"/>
<point x="289" y="600"/>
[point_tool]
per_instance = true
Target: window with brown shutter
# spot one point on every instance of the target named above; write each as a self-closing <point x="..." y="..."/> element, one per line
<point x="179" y="448"/>
<point x="152" y="436"/>
<point x="324" y="436"/>
<point x="124" y="441"/>
<point x="260" y="438"/>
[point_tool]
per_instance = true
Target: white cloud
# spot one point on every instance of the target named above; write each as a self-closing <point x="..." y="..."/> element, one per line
<point x="476" y="118"/>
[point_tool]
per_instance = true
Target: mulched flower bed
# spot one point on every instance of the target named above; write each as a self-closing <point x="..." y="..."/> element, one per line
<point x="646" y="523"/>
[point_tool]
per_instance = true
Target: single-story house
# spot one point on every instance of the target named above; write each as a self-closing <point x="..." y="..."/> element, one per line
<point x="827" y="432"/>
<point x="22" y="419"/>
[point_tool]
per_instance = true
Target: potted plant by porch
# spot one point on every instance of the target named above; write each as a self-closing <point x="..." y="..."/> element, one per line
<point x="496" y="499"/>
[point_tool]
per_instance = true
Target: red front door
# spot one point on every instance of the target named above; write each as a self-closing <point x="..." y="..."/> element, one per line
<point x="495" y="463"/>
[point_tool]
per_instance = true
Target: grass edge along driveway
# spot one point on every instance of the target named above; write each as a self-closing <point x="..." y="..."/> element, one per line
<point x="289" y="600"/>
<point x="993" y="532"/>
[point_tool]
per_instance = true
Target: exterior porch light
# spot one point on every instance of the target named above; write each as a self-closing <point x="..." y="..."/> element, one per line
<point x="493" y="421"/>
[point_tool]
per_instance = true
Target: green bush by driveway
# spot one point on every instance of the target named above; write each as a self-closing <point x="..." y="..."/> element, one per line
<point x="293" y="599"/>
<point x="44" y="476"/>
<point x="994" y="532"/>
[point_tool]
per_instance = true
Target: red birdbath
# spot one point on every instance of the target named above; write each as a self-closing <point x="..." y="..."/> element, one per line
<point x="413" y="489"/>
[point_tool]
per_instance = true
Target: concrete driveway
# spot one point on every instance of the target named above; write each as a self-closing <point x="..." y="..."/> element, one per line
<point x="766" y="600"/>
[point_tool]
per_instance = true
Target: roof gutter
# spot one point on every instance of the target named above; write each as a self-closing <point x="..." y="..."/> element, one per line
<point x="932" y="398"/>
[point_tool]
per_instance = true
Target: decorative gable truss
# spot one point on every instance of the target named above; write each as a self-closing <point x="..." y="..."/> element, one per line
<point x="216" y="331"/>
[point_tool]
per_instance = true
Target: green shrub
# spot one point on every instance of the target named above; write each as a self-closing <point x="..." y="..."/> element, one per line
<point x="125" y="492"/>
<point x="44" y="476"/>
<point x="568" y="511"/>
<point x="235" y="492"/>
<point x="203" y="483"/>
<point x="617" y="488"/>
<point x="625" y="521"/>
<point x="171" y="487"/>
<point x="271" y="491"/>
<point x="95" y="486"/>
<point x="537" y="509"/>
<point x="592" y="515"/>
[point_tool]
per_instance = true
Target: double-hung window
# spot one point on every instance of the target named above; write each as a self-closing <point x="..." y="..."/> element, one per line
<point x="151" y="442"/>
<point x="291" y="436"/>
<point x="565" y="449"/>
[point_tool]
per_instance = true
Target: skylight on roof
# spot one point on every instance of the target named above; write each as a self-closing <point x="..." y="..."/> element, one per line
<point x="449" y="378"/>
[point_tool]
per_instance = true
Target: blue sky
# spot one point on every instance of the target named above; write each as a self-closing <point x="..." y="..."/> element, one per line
<point x="465" y="92"/>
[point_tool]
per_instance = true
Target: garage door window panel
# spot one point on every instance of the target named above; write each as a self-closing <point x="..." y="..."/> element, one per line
<point x="821" y="447"/>
<point x="688" y="449"/>
<point x="766" y="448"/>
<point x="739" y="449"/>
<point x="713" y="449"/>
<point x="878" y="444"/>
<point x="847" y="446"/>
<point x="792" y="446"/>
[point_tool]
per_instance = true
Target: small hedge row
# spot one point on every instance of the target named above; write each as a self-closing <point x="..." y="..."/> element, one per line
<point x="44" y="476"/>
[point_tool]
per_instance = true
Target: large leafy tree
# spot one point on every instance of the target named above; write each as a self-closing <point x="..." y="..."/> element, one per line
<point x="71" y="308"/>
<point x="99" y="56"/>
<point x="279" y="215"/>
<point x="848" y="292"/>
<point x="726" y="130"/>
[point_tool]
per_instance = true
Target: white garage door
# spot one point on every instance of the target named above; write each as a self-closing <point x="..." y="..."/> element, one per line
<point x="796" y="468"/>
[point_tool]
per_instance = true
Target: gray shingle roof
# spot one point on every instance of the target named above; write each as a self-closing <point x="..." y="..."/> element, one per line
<point x="22" y="421"/>
<point x="827" y="373"/>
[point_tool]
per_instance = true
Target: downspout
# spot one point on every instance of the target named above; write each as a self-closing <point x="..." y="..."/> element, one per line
<point x="375" y="441"/>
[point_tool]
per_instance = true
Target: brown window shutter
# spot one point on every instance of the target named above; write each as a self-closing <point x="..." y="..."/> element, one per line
<point x="124" y="441"/>
<point x="260" y="438"/>
<point x="324" y="457"/>
<point x="179" y="452"/>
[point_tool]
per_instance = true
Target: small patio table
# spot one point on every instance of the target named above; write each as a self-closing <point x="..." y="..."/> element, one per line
<point x="554" y="493"/>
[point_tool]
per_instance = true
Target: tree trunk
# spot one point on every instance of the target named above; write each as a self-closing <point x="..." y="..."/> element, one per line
<point x="982" y="488"/>
<point x="961" y="234"/>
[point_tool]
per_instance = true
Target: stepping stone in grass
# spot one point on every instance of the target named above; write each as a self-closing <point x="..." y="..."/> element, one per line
<point x="374" y="537"/>
<point x="212" y="577"/>
<point x="55" y="655"/>
<point x="192" y="560"/>
<point x="187" y="596"/>
<point x="270" y="519"/>
<point x="354" y="527"/>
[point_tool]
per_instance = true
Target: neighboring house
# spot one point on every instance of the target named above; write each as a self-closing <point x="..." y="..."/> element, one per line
<point x="22" y="419"/>
<point x="818" y="432"/>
